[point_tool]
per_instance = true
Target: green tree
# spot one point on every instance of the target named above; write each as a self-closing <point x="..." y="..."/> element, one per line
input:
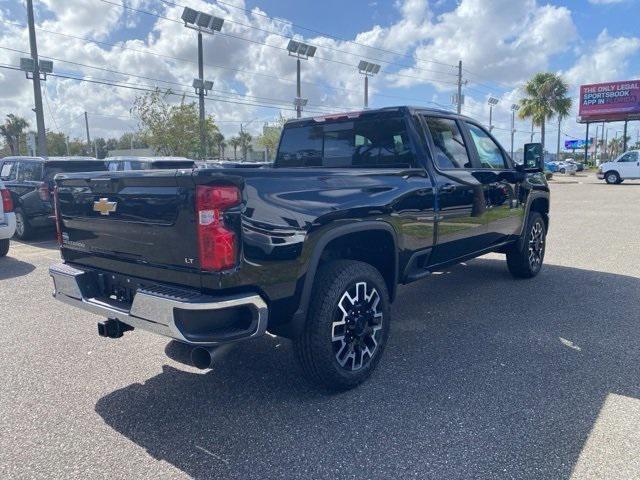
<point x="245" y="144"/>
<point x="271" y="137"/>
<point x="129" y="140"/>
<point x="170" y="129"/>
<point x="546" y="96"/>
<point x="56" y="144"/>
<point x="12" y="130"/>
<point x="235" y="143"/>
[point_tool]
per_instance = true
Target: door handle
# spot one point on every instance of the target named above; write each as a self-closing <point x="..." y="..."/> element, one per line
<point x="448" y="188"/>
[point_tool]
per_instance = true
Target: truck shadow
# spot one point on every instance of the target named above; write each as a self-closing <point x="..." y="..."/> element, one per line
<point x="484" y="377"/>
<point x="12" y="268"/>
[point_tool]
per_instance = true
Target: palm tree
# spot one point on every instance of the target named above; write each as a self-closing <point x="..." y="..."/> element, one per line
<point x="546" y="96"/>
<point x="245" y="143"/>
<point x="11" y="131"/>
<point x="235" y="143"/>
<point x="221" y="148"/>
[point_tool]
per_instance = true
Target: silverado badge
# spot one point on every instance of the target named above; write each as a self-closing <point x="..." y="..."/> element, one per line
<point x="104" y="206"/>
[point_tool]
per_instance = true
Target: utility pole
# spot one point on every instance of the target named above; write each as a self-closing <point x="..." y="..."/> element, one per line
<point x="595" y="153"/>
<point x="606" y="145"/>
<point x="624" y="137"/>
<point x="242" y="145"/>
<point x="203" y="137"/>
<point x="86" y="125"/>
<point x="459" y="102"/>
<point x="558" y="149"/>
<point x="66" y="142"/>
<point x="37" y="93"/>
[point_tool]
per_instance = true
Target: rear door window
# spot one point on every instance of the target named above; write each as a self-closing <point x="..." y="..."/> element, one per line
<point x="30" y="172"/>
<point x="450" y="149"/>
<point x="8" y="171"/>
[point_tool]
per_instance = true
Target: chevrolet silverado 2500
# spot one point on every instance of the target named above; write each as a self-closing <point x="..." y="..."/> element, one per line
<point x="311" y="248"/>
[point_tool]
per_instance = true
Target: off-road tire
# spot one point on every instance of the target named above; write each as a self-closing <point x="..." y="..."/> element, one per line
<point x="318" y="346"/>
<point x="522" y="262"/>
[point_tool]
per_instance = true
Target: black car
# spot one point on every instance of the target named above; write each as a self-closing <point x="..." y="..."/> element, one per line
<point x="312" y="248"/>
<point x="119" y="164"/>
<point x="30" y="181"/>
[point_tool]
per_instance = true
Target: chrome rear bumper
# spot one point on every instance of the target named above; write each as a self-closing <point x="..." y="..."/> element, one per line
<point x="162" y="309"/>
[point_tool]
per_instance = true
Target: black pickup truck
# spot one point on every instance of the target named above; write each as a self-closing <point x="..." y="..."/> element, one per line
<point x="311" y="248"/>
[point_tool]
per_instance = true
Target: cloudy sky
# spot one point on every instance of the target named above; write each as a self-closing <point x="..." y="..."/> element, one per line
<point x="140" y="44"/>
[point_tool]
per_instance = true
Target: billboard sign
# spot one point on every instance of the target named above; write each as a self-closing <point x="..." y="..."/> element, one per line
<point x="576" y="144"/>
<point x="613" y="101"/>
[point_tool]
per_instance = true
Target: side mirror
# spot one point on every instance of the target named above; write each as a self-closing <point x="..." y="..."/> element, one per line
<point x="533" y="158"/>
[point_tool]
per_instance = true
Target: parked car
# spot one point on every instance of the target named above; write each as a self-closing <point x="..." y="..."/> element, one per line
<point x="551" y="167"/>
<point x="30" y="181"/>
<point x="566" y="167"/>
<point x="118" y="164"/>
<point x="7" y="220"/>
<point x="312" y="248"/>
<point x="626" y="166"/>
<point x="579" y="165"/>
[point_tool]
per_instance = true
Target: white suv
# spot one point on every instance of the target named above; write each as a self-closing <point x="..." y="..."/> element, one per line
<point x="626" y="166"/>
<point x="7" y="220"/>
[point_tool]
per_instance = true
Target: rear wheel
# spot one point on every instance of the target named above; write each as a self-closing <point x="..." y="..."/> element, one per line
<point x="612" y="178"/>
<point x="525" y="257"/>
<point x="347" y="326"/>
<point x="4" y="247"/>
<point x="562" y="170"/>
<point x="23" y="227"/>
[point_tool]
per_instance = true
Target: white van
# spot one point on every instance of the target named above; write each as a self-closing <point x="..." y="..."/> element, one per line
<point x="626" y="166"/>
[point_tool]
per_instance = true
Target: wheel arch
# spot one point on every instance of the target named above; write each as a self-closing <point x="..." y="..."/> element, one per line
<point x="342" y="239"/>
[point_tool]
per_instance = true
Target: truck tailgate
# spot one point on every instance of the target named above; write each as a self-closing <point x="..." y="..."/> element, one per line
<point x="140" y="217"/>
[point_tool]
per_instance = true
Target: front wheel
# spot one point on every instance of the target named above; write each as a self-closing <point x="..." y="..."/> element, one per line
<point x="347" y="326"/>
<point x="525" y="257"/>
<point x="612" y="178"/>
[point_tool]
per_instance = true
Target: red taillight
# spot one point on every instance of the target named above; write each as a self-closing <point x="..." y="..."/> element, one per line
<point x="56" y="213"/>
<point x="43" y="192"/>
<point x="7" y="202"/>
<point x="218" y="249"/>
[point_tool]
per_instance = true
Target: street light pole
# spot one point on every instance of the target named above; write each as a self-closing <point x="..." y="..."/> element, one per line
<point x="514" y="109"/>
<point x="367" y="69"/>
<point x="201" y="22"/>
<point x="37" y="92"/>
<point x="459" y="102"/>
<point x="298" y="89"/>
<point x="492" y="102"/>
<point x="203" y="138"/>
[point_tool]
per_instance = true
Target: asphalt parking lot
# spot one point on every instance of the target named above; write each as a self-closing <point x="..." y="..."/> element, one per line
<point x="484" y="377"/>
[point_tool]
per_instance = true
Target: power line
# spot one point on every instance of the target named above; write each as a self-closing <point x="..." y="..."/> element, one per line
<point x="431" y="80"/>
<point x="153" y="53"/>
<point x="289" y="37"/>
<point x="327" y="35"/>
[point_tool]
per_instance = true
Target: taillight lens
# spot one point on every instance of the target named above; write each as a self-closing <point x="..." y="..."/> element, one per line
<point x="7" y="202"/>
<point x="56" y="212"/>
<point x="43" y="192"/>
<point x="217" y="244"/>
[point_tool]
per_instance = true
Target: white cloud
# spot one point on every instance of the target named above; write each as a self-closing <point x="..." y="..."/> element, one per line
<point x="605" y="2"/>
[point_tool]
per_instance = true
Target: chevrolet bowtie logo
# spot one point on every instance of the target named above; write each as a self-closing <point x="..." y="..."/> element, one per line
<point x="104" y="206"/>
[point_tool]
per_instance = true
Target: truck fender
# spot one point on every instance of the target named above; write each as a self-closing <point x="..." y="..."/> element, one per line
<point x="298" y="320"/>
